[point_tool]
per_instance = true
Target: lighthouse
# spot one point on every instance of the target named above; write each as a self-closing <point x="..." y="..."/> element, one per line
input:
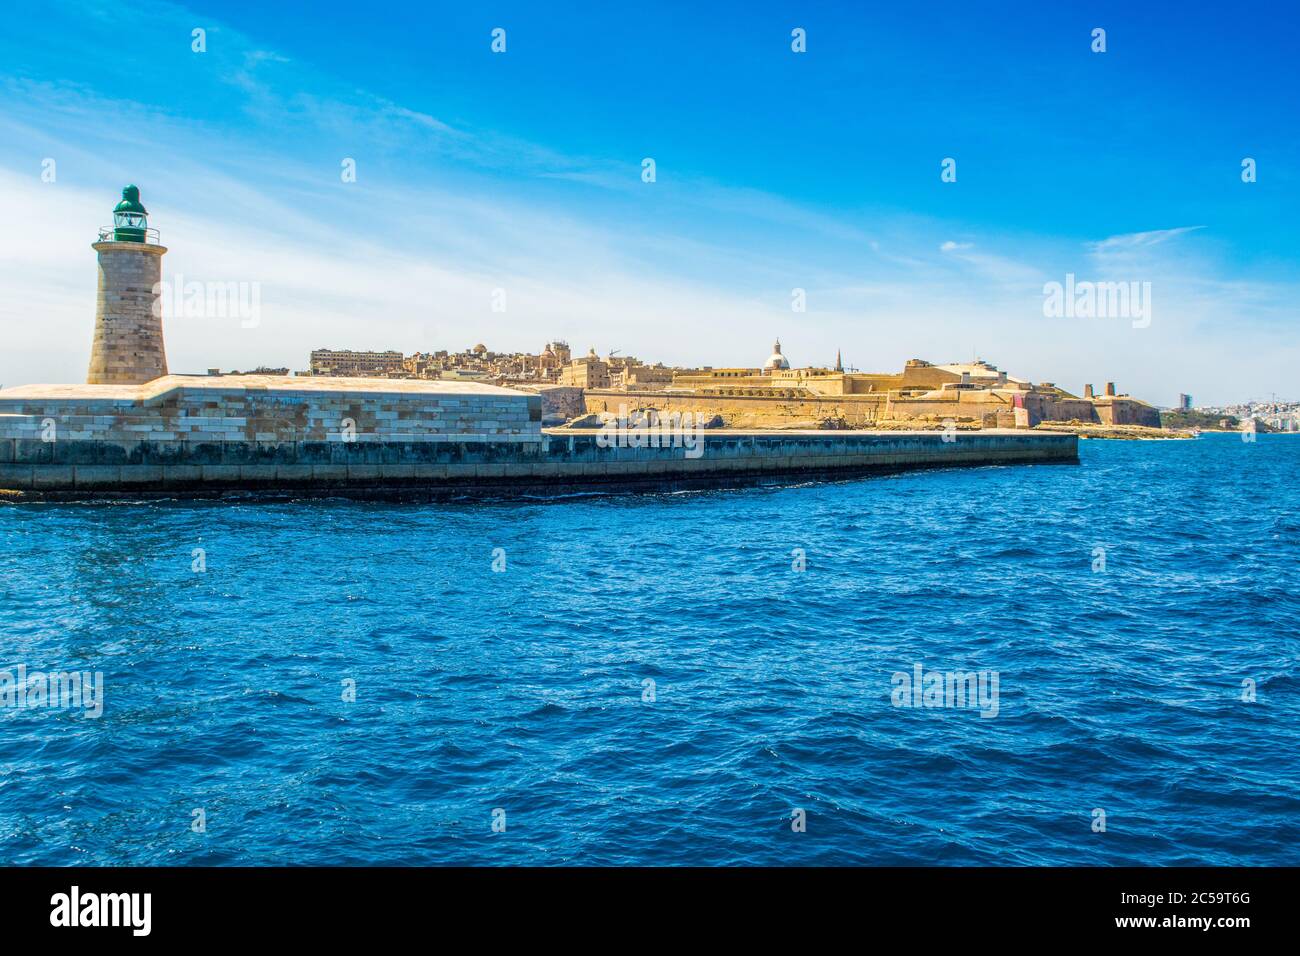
<point x="128" y="345"/>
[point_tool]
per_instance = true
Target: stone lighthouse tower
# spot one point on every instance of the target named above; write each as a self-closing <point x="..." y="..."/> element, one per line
<point x="128" y="346"/>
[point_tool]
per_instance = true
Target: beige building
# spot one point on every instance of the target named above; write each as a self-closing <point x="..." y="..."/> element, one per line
<point x="641" y="376"/>
<point x="586" y="372"/>
<point x="346" y="362"/>
<point x="553" y="358"/>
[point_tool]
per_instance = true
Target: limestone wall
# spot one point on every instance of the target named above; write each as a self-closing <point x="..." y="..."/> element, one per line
<point x="128" y="343"/>
<point x="957" y="404"/>
<point x="560" y="403"/>
<point x="854" y="409"/>
<point x="252" y="408"/>
<point x="1127" y="411"/>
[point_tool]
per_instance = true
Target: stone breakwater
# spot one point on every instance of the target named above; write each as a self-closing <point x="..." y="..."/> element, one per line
<point x="195" y="437"/>
<point x="555" y="464"/>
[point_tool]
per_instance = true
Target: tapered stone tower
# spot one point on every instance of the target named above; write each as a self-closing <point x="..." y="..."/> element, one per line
<point x="128" y="345"/>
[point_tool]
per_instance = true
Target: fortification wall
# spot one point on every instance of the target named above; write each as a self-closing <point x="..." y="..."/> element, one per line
<point x="561" y="403"/>
<point x="854" y="409"/>
<point x="1045" y="409"/>
<point x="926" y="376"/>
<point x="988" y="407"/>
<point x="1124" y="411"/>
<point x="972" y="404"/>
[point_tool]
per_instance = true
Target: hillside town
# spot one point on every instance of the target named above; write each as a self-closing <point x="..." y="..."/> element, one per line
<point x="1272" y="415"/>
<point x="774" y="393"/>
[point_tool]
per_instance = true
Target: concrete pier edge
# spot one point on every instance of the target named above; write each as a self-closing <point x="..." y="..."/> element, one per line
<point x="562" y="463"/>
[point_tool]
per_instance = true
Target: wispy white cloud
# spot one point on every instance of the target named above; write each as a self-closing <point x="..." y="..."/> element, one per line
<point x="1140" y="240"/>
<point x="994" y="267"/>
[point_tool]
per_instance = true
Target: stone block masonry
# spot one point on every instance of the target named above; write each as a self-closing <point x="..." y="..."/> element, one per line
<point x="128" y="345"/>
<point x="198" y="410"/>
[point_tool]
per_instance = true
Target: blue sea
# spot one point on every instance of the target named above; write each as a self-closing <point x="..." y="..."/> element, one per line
<point x="693" y="678"/>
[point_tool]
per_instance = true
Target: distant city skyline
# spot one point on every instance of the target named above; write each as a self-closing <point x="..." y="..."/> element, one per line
<point x="499" y="197"/>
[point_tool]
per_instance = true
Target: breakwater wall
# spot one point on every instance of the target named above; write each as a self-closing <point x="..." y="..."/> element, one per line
<point x="546" y="462"/>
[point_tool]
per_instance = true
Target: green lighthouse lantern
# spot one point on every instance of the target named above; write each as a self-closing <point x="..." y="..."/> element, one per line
<point x="130" y="218"/>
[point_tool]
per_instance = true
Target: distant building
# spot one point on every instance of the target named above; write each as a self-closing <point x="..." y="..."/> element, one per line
<point x="348" y="363"/>
<point x="641" y="376"/>
<point x="553" y="358"/>
<point x="260" y="370"/>
<point x="1184" y="402"/>
<point x="586" y="372"/>
<point x="776" y="359"/>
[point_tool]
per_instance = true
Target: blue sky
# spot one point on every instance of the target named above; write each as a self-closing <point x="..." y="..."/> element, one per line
<point x="522" y="171"/>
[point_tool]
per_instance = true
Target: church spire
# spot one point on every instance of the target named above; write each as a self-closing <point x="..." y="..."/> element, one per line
<point x="839" y="363"/>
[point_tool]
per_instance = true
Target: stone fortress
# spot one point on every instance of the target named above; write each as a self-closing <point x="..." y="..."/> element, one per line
<point x="973" y="394"/>
<point x="137" y="429"/>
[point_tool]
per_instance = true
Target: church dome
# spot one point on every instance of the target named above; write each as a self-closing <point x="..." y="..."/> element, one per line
<point x="776" y="359"/>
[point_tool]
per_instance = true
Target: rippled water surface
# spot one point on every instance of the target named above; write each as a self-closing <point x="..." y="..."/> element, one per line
<point x="523" y="690"/>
